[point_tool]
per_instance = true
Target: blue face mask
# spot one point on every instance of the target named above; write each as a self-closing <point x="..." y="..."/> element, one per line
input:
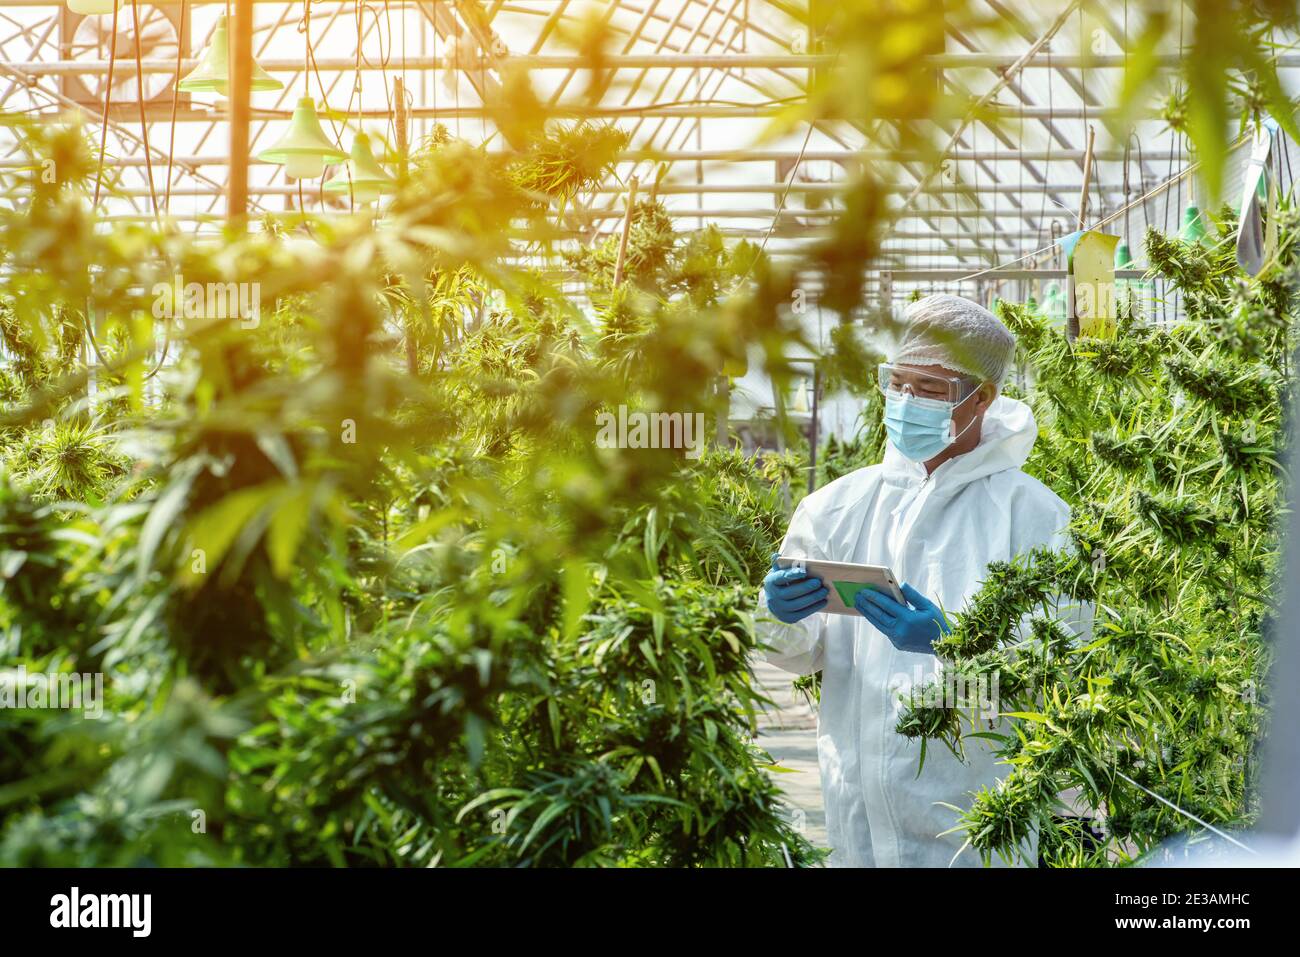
<point x="920" y="428"/>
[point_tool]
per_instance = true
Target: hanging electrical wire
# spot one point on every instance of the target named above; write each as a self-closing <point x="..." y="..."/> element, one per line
<point x="140" y="96"/>
<point x="176" y="93"/>
<point x="1051" y="125"/>
<point x="108" y="99"/>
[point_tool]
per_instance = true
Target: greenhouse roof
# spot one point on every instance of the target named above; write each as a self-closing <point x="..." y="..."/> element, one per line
<point x="711" y="92"/>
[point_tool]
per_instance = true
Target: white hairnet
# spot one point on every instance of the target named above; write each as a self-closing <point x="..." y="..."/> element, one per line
<point x="959" y="335"/>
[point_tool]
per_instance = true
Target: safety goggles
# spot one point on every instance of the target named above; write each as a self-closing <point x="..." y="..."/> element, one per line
<point x="908" y="380"/>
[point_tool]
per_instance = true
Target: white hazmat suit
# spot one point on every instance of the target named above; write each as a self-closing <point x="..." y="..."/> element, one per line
<point x="938" y="533"/>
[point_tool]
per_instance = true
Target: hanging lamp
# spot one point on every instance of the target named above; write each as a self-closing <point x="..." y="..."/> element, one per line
<point x="363" y="176"/>
<point x="1140" y="292"/>
<point x="303" y="151"/>
<point x="212" y="75"/>
<point x="90" y="8"/>
<point x="1193" y="228"/>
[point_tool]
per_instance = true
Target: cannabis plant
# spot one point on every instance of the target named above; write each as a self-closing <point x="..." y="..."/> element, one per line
<point x="1166" y="443"/>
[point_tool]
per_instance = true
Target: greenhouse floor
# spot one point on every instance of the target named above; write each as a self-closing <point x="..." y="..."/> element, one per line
<point x="789" y="733"/>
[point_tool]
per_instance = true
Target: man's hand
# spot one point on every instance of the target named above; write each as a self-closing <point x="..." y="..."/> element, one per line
<point x="913" y="628"/>
<point x="792" y="594"/>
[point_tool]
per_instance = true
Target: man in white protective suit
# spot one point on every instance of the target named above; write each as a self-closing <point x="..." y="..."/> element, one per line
<point x="948" y="499"/>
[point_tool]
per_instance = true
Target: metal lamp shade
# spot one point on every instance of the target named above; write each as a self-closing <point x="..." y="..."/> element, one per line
<point x="364" y="176"/>
<point x="1193" y="228"/>
<point x="1054" y="302"/>
<point x="304" y="149"/>
<point x="212" y="75"/>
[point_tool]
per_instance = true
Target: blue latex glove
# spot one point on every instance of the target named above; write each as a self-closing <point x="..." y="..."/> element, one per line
<point x="913" y="628"/>
<point x="793" y="595"/>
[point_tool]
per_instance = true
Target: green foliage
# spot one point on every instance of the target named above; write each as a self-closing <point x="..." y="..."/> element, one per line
<point x="361" y="585"/>
<point x="699" y="268"/>
<point x="1166" y="442"/>
<point x="364" y="590"/>
<point x="1228" y="66"/>
<point x="570" y="160"/>
<point x="62" y="461"/>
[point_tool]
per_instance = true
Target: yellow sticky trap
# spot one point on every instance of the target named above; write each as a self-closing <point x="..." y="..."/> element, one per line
<point x="1090" y="259"/>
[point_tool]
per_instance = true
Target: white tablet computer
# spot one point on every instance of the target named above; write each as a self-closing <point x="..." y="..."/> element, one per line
<point x="845" y="580"/>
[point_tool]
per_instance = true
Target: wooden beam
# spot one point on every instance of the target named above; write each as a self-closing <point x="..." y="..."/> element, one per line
<point x="241" y="81"/>
<point x="627" y="229"/>
<point x="403" y="145"/>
